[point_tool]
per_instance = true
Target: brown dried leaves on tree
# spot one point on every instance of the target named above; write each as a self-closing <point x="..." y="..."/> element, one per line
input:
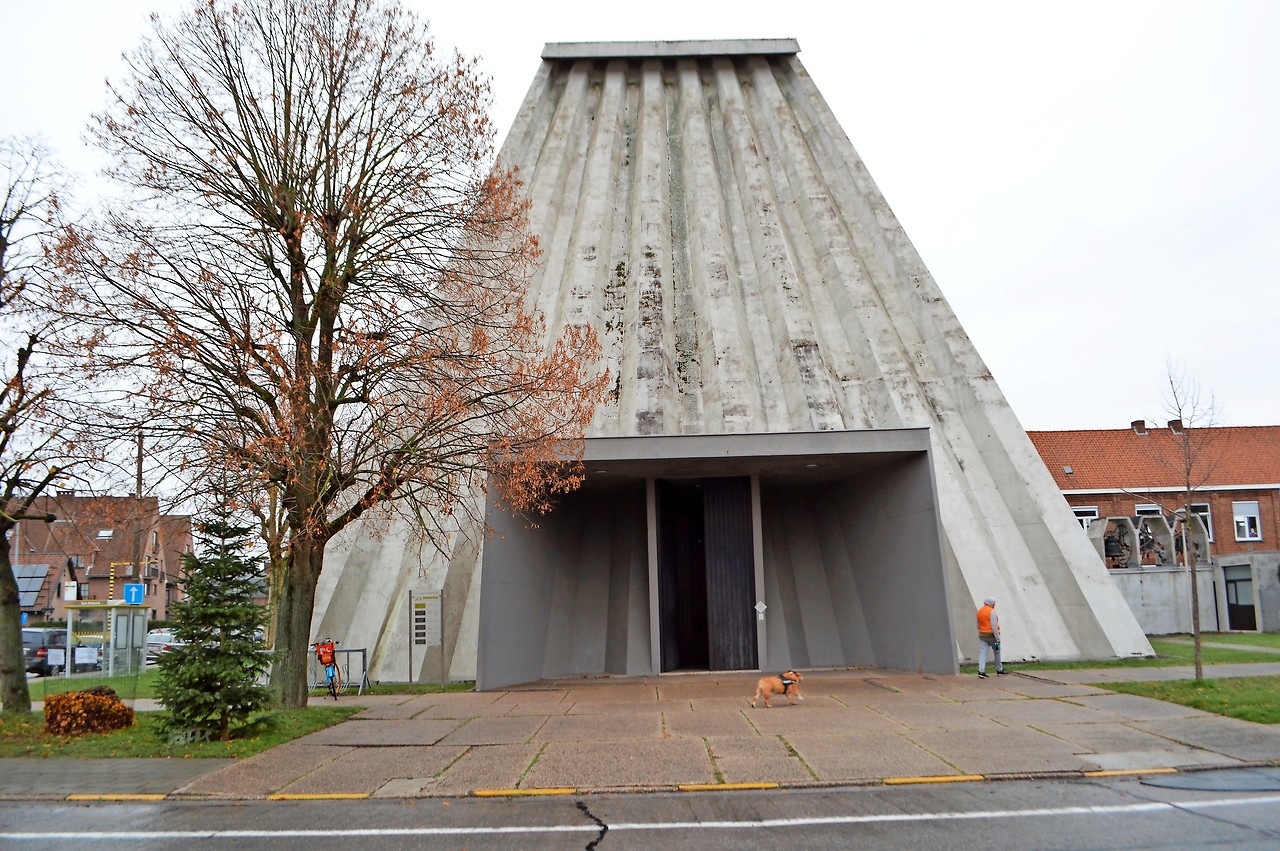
<point x="34" y="450"/>
<point x="320" y="277"/>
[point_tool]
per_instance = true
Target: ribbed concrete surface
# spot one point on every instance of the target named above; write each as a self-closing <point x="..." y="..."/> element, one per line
<point x="705" y="212"/>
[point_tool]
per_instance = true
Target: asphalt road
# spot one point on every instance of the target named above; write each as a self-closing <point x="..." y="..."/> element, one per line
<point x="1112" y="813"/>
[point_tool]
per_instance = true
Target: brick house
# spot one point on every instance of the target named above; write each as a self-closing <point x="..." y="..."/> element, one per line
<point x="105" y="541"/>
<point x="1127" y="488"/>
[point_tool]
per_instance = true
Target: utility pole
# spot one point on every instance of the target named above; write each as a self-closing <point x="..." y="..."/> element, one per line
<point x="137" y="534"/>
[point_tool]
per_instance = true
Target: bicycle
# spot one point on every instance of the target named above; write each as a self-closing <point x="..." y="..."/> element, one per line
<point x="327" y="654"/>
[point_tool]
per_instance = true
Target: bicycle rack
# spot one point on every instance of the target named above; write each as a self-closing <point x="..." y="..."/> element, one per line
<point x="317" y="670"/>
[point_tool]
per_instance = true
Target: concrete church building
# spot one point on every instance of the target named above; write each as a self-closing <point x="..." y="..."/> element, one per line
<point x="805" y="464"/>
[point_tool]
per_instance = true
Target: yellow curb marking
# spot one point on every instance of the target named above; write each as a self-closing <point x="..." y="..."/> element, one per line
<point x="1125" y="772"/>
<point x="515" y="793"/>
<point x="939" y="778"/>
<point x="723" y="787"/>
<point x="150" y="796"/>
<point x="318" y="796"/>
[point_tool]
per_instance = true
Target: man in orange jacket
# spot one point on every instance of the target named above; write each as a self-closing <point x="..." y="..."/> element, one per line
<point x="988" y="636"/>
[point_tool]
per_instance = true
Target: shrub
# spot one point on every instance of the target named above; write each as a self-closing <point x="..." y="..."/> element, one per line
<point x="75" y="712"/>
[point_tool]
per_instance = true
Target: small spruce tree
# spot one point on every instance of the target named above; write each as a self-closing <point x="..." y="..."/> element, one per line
<point x="211" y="681"/>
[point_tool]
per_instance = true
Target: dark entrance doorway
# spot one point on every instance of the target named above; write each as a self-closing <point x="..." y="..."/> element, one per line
<point x="1239" y="581"/>
<point x="706" y="574"/>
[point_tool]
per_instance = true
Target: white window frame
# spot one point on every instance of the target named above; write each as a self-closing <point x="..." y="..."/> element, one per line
<point x="1242" y="513"/>
<point x="1200" y="508"/>
<point x="1085" y="514"/>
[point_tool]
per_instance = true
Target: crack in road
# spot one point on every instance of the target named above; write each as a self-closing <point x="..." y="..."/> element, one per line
<point x="604" y="828"/>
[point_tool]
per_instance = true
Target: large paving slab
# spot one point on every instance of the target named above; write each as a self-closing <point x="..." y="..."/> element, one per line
<point x="625" y="692"/>
<point x="1131" y="707"/>
<point x="961" y="720"/>
<point x="1031" y="687"/>
<point x="856" y="757"/>
<point x="644" y="763"/>
<point x="1039" y="713"/>
<point x="1003" y="751"/>
<point x="596" y="728"/>
<point x="488" y="767"/>
<point x="393" y="711"/>
<point x="504" y="730"/>
<point x="465" y="705"/>
<point x="1228" y="736"/>
<point x="757" y="759"/>
<point x="1115" y="746"/>
<point x="355" y="772"/>
<point x="715" y="722"/>
<point x="789" y="720"/>
<point x="264" y="773"/>
<point x="415" y="731"/>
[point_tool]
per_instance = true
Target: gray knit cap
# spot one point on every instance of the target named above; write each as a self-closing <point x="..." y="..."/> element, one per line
<point x="989" y="601"/>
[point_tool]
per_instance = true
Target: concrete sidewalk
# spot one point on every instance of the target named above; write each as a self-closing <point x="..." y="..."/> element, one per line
<point x="699" y="731"/>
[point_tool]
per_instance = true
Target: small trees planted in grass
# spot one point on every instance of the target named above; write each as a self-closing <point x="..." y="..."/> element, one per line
<point x="210" y="681"/>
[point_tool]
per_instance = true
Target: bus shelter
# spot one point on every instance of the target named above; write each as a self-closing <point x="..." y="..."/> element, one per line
<point x="110" y="633"/>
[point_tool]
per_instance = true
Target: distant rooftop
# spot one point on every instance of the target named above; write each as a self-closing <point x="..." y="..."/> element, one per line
<point x="1115" y="459"/>
<point x="663" y="49"/>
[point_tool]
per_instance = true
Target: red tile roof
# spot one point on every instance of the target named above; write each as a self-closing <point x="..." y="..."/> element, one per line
<point x="1122" y="459"/>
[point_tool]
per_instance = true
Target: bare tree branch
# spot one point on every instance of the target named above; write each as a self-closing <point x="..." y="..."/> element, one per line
<point x="319" y="282"/>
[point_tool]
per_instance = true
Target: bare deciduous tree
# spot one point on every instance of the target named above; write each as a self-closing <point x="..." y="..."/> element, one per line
<point x="319" y="282"/>
<point x="34" y="451"/>
<point x="1190" y="430"/>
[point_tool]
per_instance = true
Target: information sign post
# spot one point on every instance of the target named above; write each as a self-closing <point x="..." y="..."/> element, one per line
<point x="426" y="626"/>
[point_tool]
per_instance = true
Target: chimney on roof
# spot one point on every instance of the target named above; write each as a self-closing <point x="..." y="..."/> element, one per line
<point x="1175" y="426"/>
<point x="1139" y="426"/>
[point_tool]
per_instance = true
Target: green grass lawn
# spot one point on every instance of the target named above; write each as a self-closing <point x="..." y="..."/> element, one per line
<point x="1254" y="699"/>
<point x="24" y="736"/>
<point x="417" y="688"/>
<point x="1255" y="639"/>
<point x="129" y="688"/>
<point x="1168" y="654"/>
<point x="143" y="686"/>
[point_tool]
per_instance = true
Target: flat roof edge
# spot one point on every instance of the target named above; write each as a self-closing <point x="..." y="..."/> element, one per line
<point x="755" y="444"/>
<point x="663" y="49"/>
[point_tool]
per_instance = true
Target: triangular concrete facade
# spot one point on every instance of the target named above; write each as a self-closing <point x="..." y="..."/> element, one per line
<point x="701" y="207"/>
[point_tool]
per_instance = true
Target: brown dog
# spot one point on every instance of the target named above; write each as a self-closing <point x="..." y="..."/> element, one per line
<point x="787" y="683"/>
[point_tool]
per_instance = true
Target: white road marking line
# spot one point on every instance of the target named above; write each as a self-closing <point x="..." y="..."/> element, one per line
<point x="1037" y="812"/>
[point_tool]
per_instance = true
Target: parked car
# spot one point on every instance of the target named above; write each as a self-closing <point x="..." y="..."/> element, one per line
<point x="36" y="644"/>
<point x="160" y="640"/>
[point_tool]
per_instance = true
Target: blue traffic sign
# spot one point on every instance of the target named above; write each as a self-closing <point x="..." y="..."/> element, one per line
<point x="133" y="592"/>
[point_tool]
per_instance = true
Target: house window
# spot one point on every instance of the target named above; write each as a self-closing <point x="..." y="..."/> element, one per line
<point x="1248" y="521"/>
<point x="1200" y="508"/>
<point x="105" y="534"/>
<point x="1085" y="514"/>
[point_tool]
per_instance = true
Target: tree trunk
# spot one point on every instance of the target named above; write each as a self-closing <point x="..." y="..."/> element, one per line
<point x="13" y="669"/>
<point x="291" y="662"/>
<point x="1188" y="553"/>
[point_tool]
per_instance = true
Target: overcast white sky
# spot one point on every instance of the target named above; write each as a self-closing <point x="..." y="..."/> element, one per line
<point x="1095" y="185"/>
